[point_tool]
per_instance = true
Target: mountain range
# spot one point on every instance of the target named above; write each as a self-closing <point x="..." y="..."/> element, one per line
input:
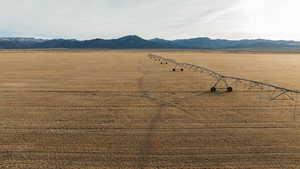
<point x="135" y="42"/>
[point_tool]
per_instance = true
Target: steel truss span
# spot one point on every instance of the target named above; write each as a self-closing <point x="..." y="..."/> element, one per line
<point x="220" y="78"/>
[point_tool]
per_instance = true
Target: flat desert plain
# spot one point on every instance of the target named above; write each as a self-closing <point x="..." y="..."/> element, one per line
<point x="64" y="109"/>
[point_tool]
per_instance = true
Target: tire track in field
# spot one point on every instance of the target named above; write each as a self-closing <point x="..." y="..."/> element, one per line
<point x="159" y="100"/>
<point x="146" y="146"/>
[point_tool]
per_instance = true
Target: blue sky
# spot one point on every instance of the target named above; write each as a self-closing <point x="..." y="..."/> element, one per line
<point x="169" y="19"/>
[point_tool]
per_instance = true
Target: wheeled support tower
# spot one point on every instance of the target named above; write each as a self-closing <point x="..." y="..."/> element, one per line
<point x="174" y="69"/>
<point x="220" y="80"/>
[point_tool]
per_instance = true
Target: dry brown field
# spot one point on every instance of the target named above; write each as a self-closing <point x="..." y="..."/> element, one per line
<point x="106" y="109"/>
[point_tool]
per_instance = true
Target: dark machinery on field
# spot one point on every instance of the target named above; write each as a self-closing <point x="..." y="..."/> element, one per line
<point x="279" y="93"/>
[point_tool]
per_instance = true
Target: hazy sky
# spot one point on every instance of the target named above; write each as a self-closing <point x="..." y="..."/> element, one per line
<point x="169" y="19"/>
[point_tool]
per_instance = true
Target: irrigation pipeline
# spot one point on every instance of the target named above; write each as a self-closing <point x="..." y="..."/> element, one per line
<point x="219" y="77"/>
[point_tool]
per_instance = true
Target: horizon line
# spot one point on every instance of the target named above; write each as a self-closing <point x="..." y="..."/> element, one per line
<point x="211" y="38"/>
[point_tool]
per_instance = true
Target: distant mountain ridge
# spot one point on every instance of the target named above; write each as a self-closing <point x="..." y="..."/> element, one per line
<point x="136" y="42"/>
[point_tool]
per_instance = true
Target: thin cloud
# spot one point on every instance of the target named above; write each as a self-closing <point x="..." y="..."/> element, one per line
<point x="170" y="19"/>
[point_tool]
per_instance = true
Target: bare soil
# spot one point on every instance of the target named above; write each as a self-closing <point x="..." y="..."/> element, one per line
<point x="120" y="110"/>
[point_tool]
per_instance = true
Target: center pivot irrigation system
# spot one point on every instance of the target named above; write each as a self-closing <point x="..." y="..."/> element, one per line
<point x="277" y="92"/>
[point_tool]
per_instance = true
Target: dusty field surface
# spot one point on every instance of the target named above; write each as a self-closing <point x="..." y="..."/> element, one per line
<point x="120" y="110"/>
